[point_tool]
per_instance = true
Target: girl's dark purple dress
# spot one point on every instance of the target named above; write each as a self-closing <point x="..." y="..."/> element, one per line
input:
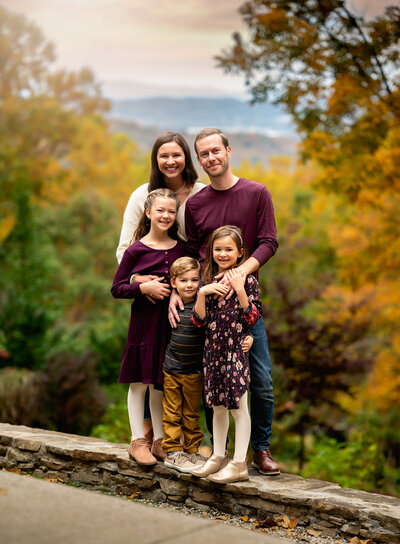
<point x="226" y="367"/>
<point x="148" y="332"/>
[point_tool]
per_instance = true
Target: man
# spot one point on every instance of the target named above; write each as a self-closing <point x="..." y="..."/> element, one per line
<point x="230" y="200"/>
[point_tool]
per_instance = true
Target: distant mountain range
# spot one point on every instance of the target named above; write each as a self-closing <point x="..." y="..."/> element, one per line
<point x="191" y="114"/>
<point x="246" y="146"/>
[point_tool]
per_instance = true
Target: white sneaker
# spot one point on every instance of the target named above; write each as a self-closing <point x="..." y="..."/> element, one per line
<point x="197" y="459"/>
<point x="180" y="461"/>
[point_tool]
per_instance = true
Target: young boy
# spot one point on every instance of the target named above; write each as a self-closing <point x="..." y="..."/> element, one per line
<point x="183" y="375"/>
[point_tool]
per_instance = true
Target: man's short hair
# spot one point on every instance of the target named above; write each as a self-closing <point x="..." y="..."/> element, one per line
<point x="209" y="132"/>
<point x="183" y="265"/>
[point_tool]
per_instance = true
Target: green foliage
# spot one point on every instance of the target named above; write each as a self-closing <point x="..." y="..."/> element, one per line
<point x="358" y="463"/>
<point x="114" y="426"/>
<point x="27" y="310"/>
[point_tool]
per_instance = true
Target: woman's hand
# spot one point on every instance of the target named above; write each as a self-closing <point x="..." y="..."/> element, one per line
<point x="214" y="289"/>
<point x="155" y="288"/>
<point x="247" y="342"/>
<point x="236" y="278"/>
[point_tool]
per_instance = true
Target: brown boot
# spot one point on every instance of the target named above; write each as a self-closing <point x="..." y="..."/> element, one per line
<point x="264" y="463"/>
<point x="139" y="452"/>
<point x="149" y="438"/>
<point x="157" y="451"/>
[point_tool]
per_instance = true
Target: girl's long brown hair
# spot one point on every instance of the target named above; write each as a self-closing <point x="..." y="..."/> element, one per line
<point x="210" y="266"/>
<point x="189" y="173"/>
<point x="144" y="223"/>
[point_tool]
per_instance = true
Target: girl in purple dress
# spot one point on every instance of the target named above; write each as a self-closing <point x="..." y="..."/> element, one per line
<point x="156" y="247"/>
<point x="226" y="365"/>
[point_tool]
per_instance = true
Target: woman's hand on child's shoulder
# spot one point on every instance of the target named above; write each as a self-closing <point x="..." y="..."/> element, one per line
<point x="214" y="289"/>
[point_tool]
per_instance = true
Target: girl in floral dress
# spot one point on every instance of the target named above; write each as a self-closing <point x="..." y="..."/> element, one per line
<point x="226" y="365"/>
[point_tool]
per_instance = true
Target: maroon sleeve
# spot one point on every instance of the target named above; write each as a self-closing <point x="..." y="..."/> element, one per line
<point x="267" y="242"/>
<point x="192" y="233"/>
<point x="121" y="287"/>
<point x="254" y="310"/>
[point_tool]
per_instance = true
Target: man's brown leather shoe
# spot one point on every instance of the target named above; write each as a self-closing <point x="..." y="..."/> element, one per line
<point x="263" y="462"/>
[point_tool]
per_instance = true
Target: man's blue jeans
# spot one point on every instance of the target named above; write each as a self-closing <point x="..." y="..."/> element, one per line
<point x="262" y="394"/>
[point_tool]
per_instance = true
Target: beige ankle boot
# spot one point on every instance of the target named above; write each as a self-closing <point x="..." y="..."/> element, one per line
<point x="139" y="452"/>
<point x="234" y="471"/>
<point x="213" y="464"/>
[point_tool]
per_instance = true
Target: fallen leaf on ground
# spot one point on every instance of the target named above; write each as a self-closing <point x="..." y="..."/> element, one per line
<point x="222" y="517"/>
<point x="3" y="492"/>
<point x="285" y="521"/>
<point x="245" y="518"/>
<point x="312" y="532"/>
<point x="205" y="515"/>
<point x="16" y="470"/>
<point x="293" y="523"/>
<point x="134" y="496"/>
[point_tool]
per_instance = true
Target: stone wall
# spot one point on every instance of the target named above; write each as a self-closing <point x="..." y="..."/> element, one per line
<point x="101" y="465"/>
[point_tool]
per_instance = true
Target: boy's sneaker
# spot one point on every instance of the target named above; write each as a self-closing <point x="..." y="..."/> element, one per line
<point x="180" y="461"/>
<point x="197" y="459"/>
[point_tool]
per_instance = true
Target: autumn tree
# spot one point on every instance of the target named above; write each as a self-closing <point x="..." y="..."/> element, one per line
<point x="337" y="74"/>
<point x="64" y="181"/>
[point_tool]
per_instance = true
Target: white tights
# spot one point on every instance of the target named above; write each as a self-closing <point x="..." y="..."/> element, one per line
<point x="242" y="429"/>
<point x="136" y="394"/>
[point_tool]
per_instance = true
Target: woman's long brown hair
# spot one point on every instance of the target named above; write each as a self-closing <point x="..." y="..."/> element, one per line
<point x="210" y="266"/>
<point x="189" y="173"/>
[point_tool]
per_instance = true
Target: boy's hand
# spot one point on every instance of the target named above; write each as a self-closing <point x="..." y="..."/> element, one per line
<point x="247" y="342"/>
<point x="174" y="301"/>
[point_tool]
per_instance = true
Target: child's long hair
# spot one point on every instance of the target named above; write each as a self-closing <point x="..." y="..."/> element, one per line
<point x="210" y="266"/>
<point x="144" y="223"/>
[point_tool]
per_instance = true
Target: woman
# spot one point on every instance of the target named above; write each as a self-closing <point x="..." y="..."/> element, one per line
<point x="171" y="168"/>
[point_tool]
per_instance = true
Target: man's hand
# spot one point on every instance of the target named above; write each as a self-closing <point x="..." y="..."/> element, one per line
<point x="247" y="342"/>
<point x="174" y="301"/>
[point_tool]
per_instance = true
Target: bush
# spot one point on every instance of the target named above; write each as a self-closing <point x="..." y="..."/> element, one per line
<point x="73" y="401"/>
<point x="19" y="397"/>
<point x="358" y="463"/>
<point x="65" y="397"/>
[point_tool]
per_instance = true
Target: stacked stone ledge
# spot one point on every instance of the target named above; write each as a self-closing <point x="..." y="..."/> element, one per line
<point x="103" y="466"/>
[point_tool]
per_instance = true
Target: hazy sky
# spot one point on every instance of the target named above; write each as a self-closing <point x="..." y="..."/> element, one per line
<point x="156" y="43"/>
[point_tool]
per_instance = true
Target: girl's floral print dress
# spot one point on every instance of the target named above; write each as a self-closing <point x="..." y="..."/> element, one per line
<point x="226" y="367"/>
